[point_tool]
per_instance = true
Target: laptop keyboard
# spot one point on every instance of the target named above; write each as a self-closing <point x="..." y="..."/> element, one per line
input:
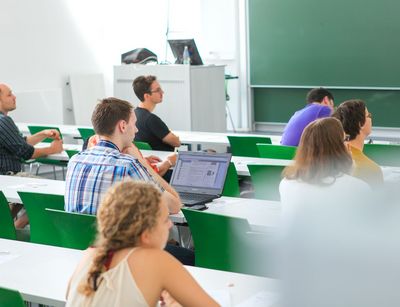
<point x="192" y="199"/>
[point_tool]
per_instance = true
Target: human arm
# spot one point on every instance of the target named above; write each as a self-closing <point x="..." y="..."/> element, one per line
<point x="172" y="139"/>
<point x="40" y="136"/>
<point x="55" y="147"/>
<point x="161" y="130"/>
<point x="156" y="271"/>
<point x="165" y="165"/>
<point x="171" y="196"/>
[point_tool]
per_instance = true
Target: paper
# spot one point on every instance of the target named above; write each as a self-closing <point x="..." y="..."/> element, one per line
<point x="261" y="299"/>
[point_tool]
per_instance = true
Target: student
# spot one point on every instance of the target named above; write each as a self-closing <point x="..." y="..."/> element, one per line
<point x="90" y="173"/>
<point x="321" y="169"/>
<point x="127" y="265"/>
<point x="14" y="148"/>
<point x="319" y="105"/>
<point x="151" y="128"/>
<point x="357" y="123"/>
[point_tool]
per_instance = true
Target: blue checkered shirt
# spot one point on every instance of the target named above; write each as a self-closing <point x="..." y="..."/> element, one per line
<point x="91" y="172"/>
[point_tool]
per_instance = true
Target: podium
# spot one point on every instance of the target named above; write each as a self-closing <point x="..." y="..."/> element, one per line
<point x="194" y="96"/>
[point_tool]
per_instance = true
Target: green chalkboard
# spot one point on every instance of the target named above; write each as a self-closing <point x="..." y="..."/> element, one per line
<point x="278" y="105"/>
<point x="318" y="42"/>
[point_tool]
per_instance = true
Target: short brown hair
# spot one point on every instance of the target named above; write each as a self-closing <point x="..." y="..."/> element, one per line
<point x="321" y="153"/>
<point x="108" y="112"/>
<point x="142" y="85"/>
<point x="351" y="114"/>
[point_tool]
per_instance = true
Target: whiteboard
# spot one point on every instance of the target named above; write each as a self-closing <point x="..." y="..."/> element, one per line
<point x="86" y="90"/>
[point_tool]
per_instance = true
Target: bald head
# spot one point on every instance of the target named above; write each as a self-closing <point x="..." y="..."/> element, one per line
<point x="7" y="99"/>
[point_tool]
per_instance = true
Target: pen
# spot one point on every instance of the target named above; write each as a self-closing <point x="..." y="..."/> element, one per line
<point x="175" y="149"/>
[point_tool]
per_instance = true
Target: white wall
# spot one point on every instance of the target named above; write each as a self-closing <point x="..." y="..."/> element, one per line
<point x="45" y="41"/>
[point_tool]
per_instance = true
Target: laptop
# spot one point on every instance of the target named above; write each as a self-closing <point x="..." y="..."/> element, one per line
<point x="199" y="177"/>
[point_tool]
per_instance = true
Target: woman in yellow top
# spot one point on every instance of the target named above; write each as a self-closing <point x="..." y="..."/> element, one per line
<point x="357" y="124"/>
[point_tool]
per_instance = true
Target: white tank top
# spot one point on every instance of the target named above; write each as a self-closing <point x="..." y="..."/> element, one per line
<point x="118" y="288"/>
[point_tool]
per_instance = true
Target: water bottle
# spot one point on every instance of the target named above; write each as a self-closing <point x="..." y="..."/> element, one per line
<point x="186" y="56"/>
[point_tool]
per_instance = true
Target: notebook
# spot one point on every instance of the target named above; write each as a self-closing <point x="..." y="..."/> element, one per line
<point x="199" y="177"/>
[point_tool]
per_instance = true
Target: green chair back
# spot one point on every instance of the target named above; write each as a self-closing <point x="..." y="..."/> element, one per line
<point x="245" y="146"/>
<point x="42" y="229"/>
<point x="142" y="145"/>
<point x="383" y="154"/>
<point x="266" y="179"/>
<point x="7" y="229"/>
<point x="231" y="186"/>
<point x="74" y="230"/>
<point x="10" y="298"/>
<point x="226" y="243"/>
<point x="36" y="129"/>
<point x="71" y="152"/>
<point x="276" y="151"/>
<point x="86" y="133"/>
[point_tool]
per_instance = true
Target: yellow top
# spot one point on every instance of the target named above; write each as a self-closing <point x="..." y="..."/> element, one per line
<point x="365" y="168"/>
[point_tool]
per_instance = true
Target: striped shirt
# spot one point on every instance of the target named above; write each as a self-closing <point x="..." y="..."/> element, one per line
<point x="13" y="147"/>
<point x="91" y="172"/>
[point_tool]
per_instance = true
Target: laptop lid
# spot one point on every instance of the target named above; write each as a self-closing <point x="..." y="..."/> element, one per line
<point x="200" y="172"/>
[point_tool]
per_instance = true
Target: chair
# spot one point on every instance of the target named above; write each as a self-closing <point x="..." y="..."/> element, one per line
<point x="42" y="229"/>
<point x="74" y="230"/>
<point x="86" y="133"/>
<point x="71" y="152"/>
<point x="54" y="163"/>
<point x="245" y="146"/>
<point x="231" y="186"/>
<point x="383" y="154"/>
<point x="142" y="145"/>
<point x="10" y="298"/>
<point x="276" y="151"/>
<point x="226" y="243"/>
<point x="7" y="229"/>
<point x="266" y="179"/>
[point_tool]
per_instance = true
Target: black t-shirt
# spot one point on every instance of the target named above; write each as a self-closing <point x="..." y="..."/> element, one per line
<point x="151" y="130"/>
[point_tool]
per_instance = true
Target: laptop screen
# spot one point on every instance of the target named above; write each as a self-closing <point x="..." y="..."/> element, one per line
<point x="200" y="172"/>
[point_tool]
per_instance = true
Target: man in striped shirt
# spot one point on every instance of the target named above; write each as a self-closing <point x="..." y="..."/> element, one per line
<point x="13" y="147"/>
<point x="91" y="172"/>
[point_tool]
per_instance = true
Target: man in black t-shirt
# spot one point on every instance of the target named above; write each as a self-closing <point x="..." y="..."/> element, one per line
<point x="151" y="128"/>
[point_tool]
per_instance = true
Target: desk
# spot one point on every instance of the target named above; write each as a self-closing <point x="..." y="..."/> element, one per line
<point x="194" y="138"/>
<point x="261" y="214"/>
<point x="41" y="274"/>
<point x="240" y="162"/>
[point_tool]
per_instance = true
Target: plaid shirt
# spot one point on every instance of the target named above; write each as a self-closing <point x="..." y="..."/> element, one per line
<point x="13" y="147"/>
<point x="91" y="172"/>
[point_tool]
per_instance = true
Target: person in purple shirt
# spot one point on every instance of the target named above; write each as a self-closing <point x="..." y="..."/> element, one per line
<point x="319" y="104"/>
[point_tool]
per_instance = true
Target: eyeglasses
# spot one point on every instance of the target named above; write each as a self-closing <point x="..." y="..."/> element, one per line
<point x="346" y="138"/>
<point x="157" y="90"/>
<point x="369" y="115"/>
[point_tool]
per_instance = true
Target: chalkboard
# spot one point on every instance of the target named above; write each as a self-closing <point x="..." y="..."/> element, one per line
<point x="278" y="105"/>
<point x="333" y="43"/>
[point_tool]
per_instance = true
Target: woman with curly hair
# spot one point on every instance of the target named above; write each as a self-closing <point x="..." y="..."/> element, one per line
<point x="127" y="265"/>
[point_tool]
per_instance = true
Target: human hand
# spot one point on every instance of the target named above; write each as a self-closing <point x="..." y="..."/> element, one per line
<point x="153" y="159"/>
<point x="168" y="301"/>
<point x="93" y="141"/>
<point x="133" y="151"/>
<point x="51" y="133"/>
<point x="172" y="158"/>
<point x="56" y="146"/>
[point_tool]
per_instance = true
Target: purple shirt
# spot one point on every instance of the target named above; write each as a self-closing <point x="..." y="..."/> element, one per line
<point x="294" y="128"/>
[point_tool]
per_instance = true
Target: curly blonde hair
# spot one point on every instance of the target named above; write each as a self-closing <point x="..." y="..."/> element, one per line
<point x="126" y="211"/>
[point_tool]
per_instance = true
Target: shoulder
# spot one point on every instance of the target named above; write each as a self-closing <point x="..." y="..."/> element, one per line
<point x="159" y="259"/>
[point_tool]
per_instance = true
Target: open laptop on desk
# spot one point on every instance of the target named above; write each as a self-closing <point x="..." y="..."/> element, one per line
<point x="199" y="177"/>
